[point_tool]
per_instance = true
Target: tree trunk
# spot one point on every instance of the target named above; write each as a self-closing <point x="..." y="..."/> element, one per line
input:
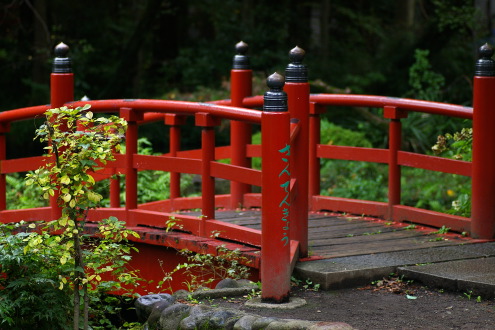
<point x="79" y="275"/>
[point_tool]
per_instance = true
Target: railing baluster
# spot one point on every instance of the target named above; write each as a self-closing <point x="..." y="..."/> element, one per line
<point x="394" y="144"/>
<point x="315" y="110"/>
<point x="175" y="121"/>
<point x="4" y="128"/>
<point x="207" y="122"/>
<point x="131" y="148"/>
<point x="240" y="132"/>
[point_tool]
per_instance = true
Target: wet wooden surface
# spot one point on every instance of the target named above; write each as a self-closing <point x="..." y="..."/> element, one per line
<point x="337" y="235"/>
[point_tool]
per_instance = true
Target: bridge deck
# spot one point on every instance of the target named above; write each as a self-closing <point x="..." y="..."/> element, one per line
<point x="336" y="235"/>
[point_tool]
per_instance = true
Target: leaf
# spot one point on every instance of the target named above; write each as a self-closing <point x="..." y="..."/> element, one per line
<point x="62" y="222"/>
<point x="65" y="180"/>
<point x="67" y="198"/>
<point x="411" y="297"/>
<point x="89" y="115"/>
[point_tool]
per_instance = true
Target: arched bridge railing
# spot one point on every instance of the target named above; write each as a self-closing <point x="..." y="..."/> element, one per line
<point x="291" y="152"/>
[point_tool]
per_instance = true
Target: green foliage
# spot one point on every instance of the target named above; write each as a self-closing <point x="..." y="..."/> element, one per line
<point x="22" y="196"/>
<point x="154" y="185"/>
<point x="425" y="84"/>
<point x="458" y="146"/>
<point x="350" y="179"/>
<point x="78" y="145"/>
<point x="335" y="135"/>
<point x="201" y="270"/>
<point x="29" y="283"/>
<point x="305" y="284"/>
<point x="369" y="181"/>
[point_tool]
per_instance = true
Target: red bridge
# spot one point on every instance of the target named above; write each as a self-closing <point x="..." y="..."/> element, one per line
<point x="290" y="175"/>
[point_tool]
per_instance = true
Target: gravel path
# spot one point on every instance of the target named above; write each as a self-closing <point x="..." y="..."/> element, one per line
<point x="389" y="304"/>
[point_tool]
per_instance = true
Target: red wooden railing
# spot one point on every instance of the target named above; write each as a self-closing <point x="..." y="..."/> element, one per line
<point x="290" y="150"/>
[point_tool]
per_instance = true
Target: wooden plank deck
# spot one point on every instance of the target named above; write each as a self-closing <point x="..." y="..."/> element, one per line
<point x="335" y="235"/>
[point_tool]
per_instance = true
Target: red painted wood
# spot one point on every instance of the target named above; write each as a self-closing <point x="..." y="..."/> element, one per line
<point x="483" y="179"/>
<point x="394" y="170"/>
<point x="252" y="200"/>
<point x="431" y="218"/>
<point x="240" y="133"/>
<point x="208" y="156"/>
<point x="354" y="206"/>
<point x="275" y="245"/>
<point x="115" y="190"/>
<point x="254" y="150"/>
<point x="433" y="163"/>
<point x="298" y="103"/>
<point x="314" y="140"/>
<point x="3" y="182"/>
<point x="174" y="145"/>
<point x="168" y="106"/>
<point x="373" y="101"/>
<point x="131" y="149"/>
<point x="240" y="174"/>
<point x="234" y="232"/>
<point x="61" y="92"/>
<point x="167" y="164"/>
<point x="41" y="213"/>
<point x="352" y="153"/>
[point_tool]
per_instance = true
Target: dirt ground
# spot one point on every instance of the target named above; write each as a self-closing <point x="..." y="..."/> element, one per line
<point x="389" y="304"/>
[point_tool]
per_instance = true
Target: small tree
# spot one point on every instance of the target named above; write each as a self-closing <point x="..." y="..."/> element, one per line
<point x="78" y="145"/>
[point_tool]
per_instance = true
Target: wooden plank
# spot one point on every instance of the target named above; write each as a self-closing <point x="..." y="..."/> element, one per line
<point x="350" y="232"/>
<point x="377" y="238"/>
<point x="377" y="247"/>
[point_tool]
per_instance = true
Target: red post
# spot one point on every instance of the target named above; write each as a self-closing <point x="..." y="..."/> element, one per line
<point x="175" y="121"/>
<point x="314" y="162"/>
<point x="483" y="175"/>
<point x="394" y="143"/>
<point x="275" y="241"/>
<point x="115" y="191"/>
<point x="4" y="128"/>
<point x="240" y="132"/>
<point x="207" y="122"/>
<point x="61" y="92"/>
<point x="297" y="88"/>
<point x="131" y="148"/>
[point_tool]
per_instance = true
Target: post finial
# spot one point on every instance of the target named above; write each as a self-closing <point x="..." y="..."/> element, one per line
<point x="241" y="60"/>
<point x="61" y="62"/>
<point x="296" y="71"/>
<point x="275" y="100"/>
<point x="485" y="66"/>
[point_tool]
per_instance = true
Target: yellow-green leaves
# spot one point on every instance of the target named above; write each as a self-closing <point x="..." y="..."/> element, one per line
<point x="66" y="198"/>
<point x="65" y="179"/>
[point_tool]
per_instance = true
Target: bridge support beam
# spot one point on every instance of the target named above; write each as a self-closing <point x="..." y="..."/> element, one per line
<point x="483" y="170"/>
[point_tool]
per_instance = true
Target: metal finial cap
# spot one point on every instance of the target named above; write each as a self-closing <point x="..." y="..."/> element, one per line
<point x="275" y="100"/>
<point x="241" y="60"/>
<point x="61" y="62"/>
<point x="296" y="71"/>
<point x="485" y="66"/>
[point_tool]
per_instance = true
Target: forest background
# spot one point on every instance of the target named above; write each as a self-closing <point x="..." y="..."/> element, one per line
<point x="183" y="49"/>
